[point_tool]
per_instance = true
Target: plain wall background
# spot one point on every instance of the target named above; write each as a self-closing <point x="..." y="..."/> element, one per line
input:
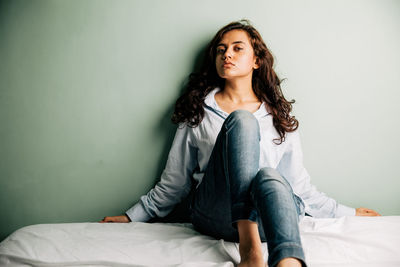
<point x="87" y="89"/>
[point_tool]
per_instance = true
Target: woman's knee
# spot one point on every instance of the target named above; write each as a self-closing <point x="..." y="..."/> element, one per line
<point x="242" y="119"/>
<point x="268" y="176"/>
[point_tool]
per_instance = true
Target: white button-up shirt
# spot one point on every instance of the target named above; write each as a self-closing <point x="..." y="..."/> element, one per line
<point x="191" y="150"/>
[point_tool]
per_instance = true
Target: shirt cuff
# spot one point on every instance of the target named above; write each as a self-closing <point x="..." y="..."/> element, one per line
<point x="138" y="214"/>
<point x="343" y="210"/>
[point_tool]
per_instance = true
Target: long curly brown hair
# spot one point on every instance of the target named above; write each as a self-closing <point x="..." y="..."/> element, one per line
<point x="266" y="85"/>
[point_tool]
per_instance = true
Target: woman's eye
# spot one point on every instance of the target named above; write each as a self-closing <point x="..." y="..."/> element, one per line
<point x="221" y="50"/>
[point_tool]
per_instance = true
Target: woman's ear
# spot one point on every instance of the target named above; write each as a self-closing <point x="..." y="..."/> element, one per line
<point x="256" y="65"/>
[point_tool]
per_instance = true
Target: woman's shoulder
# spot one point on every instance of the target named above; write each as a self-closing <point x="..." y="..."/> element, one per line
<point x="187" y="132"/>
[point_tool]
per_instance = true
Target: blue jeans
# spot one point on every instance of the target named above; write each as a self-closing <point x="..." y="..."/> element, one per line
<point x="234" y="188"/>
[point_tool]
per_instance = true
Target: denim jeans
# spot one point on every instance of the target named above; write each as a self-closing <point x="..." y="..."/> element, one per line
<point x="234" y="188"/>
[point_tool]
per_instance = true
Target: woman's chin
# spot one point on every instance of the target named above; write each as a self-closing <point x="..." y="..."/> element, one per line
<point x="228" y="76"/>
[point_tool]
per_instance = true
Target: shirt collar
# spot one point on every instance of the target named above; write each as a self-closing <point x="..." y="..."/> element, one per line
<point x="210" y="102"/>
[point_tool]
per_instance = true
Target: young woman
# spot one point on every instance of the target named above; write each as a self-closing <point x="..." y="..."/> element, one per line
<point x="238" y="141"/>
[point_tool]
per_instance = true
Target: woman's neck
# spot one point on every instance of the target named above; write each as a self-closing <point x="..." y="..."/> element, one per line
<point x="238" y="91"/>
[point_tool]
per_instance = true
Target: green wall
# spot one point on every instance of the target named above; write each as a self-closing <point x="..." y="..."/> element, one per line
<point x="87" y="89"/>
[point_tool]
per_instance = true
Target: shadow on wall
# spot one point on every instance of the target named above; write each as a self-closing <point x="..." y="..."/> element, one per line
<point x="180" y="213"/>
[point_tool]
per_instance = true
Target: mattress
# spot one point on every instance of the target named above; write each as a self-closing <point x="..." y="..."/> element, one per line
<point x="345" y="241"/>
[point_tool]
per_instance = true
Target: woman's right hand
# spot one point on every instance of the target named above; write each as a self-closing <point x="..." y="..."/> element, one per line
<point x="116" y="219"/>
<point x="366" y="212"/>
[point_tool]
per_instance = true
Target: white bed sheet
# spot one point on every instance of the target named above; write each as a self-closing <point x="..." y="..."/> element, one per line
<point x="346" y="241"/>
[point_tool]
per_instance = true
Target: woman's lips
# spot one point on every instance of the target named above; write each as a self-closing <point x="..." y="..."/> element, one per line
<point x="228" y="65"/>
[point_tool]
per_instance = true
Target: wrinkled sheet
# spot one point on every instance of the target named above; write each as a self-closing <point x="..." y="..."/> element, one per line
<point x="346" y="241"/>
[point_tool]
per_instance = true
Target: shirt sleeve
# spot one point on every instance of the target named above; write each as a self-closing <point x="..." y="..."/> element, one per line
<point x="317" y="204"/>
<point x="175" y="182"/>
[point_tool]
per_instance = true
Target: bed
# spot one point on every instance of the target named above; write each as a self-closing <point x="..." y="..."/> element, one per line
<point x="345" y="241"/>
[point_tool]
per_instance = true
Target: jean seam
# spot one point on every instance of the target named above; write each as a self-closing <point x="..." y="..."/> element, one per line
<point x="225" y="161"/>
<point x="298" y="204"/>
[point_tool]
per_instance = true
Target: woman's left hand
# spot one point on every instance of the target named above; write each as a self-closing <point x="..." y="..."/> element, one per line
<point x="366" y="212"/>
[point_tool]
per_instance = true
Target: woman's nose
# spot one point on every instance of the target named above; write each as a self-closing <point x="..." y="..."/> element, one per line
<point x="226" y="56"/>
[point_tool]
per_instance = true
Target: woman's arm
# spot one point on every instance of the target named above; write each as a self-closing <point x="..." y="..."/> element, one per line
<point x="175" y="182"/>
<point x="317" y="203"/>
<point x="174" y="185"/>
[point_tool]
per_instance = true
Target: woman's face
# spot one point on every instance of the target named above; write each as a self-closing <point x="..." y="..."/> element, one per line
<point x="235" y="55"/>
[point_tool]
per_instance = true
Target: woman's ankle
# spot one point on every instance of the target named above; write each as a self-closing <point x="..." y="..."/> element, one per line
<point x="252" y="252"/>
<point x="252" y="257"/>
<point x="289" y="262"/>
<point x="250" y="247"/>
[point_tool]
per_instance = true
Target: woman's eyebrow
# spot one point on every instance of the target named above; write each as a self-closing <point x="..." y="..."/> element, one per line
<point x="236" y="42"/>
